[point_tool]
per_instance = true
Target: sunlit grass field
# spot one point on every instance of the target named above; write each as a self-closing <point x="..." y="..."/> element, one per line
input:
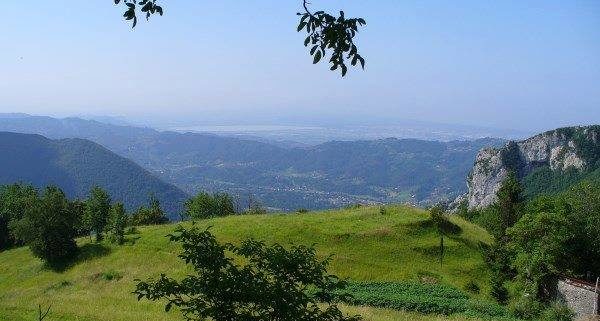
<point x="367" y="246"/>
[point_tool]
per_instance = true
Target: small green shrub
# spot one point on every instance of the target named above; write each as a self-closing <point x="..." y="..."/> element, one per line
<point x="472" y="287"/>
<point x="353" y="206"/>
<point x="302" y="211"/>
<point x="107" y="276"/>
<point x="131" y="230"/>
<point x="382" y="210"/>
<point x="557" y="312"/>
<point x="526" y="307"/>
<point x="59" y="285"/>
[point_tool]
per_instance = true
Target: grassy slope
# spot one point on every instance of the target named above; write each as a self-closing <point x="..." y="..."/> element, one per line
<point x="367" y="246"/>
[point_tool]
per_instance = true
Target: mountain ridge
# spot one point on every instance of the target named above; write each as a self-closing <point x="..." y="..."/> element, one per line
<point x="76" y="165"/>
<point x="328" y="175"/>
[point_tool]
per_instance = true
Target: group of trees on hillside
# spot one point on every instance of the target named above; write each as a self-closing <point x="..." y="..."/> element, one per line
<point x="537" y="241"/>
<point x="48" y="222"/>
<point x="206" y="205"/>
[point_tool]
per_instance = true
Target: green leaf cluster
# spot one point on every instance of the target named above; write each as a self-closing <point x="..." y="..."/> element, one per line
<point x="147" y="7"/>
<point x="327" y="33"/>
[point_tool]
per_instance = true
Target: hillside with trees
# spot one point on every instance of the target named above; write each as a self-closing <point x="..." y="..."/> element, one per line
<point x="328" y="175"/>
<point x="77" y="165"/>
<point x="540" y="239"/>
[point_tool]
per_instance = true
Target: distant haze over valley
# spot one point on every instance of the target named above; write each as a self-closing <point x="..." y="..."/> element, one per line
<point x="288" y="167"/>
<point x="317" y="134"/>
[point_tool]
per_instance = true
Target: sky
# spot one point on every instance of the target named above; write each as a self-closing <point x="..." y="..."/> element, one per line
<point x="525" y="65"/>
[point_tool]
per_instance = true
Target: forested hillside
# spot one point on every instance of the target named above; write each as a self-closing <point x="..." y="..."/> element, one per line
<point x="76" y="165"/>
<point x="323" y="176"/>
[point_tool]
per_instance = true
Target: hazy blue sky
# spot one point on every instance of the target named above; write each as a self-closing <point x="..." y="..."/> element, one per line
<point x="508" y="64"/>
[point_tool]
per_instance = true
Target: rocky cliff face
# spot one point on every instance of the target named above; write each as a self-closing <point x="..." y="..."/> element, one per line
<point x="560" y="149"/>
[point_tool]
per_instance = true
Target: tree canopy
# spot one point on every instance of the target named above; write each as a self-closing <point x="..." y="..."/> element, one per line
<point x="48" y="226"/>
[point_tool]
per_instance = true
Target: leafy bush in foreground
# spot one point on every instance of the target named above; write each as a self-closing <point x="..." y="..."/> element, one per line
<point x="270" y="285"/>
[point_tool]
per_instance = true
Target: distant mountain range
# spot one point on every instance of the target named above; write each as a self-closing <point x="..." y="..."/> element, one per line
<point x="76" y="165"/>
<point x="328" y="175"/>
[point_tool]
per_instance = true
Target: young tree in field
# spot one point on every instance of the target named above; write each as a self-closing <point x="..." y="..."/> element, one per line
<point x="117" y="223"/>
<point x="507" y="212"/>
<point x="78" y="208"/>
<point x="48" y="227"/>
<point x="509" y="204"/>
<point x="97" y="211"/>
<point x="152" y="215"/>
<point x="272" y="283"/>
<point x="438" y="218"/>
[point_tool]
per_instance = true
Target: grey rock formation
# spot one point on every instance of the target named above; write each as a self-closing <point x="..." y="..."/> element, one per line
<point x="559" y="149"/>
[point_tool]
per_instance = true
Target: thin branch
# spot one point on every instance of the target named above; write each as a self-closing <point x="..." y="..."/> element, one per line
<point x="42" y="316"/>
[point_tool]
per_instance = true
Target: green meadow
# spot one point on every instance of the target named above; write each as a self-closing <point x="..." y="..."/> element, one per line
<point x="366" y="245"/>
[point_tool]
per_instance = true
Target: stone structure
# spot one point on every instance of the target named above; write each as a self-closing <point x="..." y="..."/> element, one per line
<point x="582" y="297"/>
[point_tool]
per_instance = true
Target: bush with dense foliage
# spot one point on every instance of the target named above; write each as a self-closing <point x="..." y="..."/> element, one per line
<point x="97" y="211"/>
<point x="497" y="219"/>
<point x="557" y="312"/>
<point x="14" y="200"/>
<point x="539" y="240"/>
<point x="48" y="226"/>
<point x="270" y="284"/>
<point x="117" y="223"/>
<point x="78" y="207"/>
<point x="255" y="208"/>
<point x="152" y="215"/>
<point x="556" y="236"/>
<point x="205" y="205"/>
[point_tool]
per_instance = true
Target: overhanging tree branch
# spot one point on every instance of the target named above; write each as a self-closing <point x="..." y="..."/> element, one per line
<point x="326" y="34"/>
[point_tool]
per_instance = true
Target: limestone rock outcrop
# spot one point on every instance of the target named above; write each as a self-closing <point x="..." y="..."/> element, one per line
<point x="560" y="149"/>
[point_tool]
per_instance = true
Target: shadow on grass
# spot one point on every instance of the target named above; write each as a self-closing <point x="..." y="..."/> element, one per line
<point x="131" y="239"/>
<point x="86" y="252"/>
<point x="447" y="227"/>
